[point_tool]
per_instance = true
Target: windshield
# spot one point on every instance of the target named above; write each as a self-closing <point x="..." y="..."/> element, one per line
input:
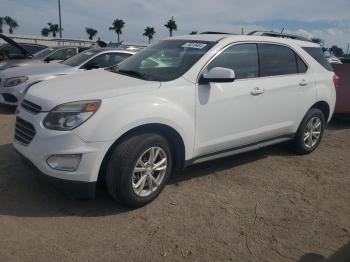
<point x="165" y="61"/>
<point x="80" y="58"/>
<point x="43" y="53"/>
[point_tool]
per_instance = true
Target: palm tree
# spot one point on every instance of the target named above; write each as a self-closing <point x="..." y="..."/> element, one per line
<point x="12" y="23"/>
<point x="91" y="32"/>
<point x="149" y="32"/>
<point x="317" y="40"/>
<point x="117" y="26"/>
<point x="54" y="29"/>
<point x="171" y="25"/>
<point x="1" y="22"/>
<point x="336" y="51"/>
<point x="45" y="31"/>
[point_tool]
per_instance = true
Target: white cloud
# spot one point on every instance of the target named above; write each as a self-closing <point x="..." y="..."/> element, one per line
<point x="198" y="15"/>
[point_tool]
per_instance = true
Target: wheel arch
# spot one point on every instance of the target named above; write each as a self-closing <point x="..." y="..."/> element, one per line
<point x="324" y="107"/>
<point x="174" y="138"/>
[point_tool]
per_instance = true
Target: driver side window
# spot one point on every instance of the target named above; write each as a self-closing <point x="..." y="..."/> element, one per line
<point x="63" y="54"/>
<point x="105" y="60"/>
<point x="242" y="58"/>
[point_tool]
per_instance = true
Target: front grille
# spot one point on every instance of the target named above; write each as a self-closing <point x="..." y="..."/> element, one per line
<point x="31" y="107"/>
<point x="24" y="131"/>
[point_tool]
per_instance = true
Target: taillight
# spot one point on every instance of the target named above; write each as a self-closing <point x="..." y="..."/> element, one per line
<point x="336" y="81"/>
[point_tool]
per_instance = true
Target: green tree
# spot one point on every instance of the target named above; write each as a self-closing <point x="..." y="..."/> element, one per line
<point x="149" y="32"/>
<point x="117" y="26"/>
<point x="193" y="33"/>
<point x="45" y="31"/>
<point x="54" y="29"/>
<point x="91" y="32"/>
<point x="12" y="23"/>
<point x="324" y="49"/>
<point x="1" y="23"/>
<point x="336" y="51"/>
<point x="171" y="25"/>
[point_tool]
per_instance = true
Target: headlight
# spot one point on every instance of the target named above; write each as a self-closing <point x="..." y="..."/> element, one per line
<point x="70" y="115"/>
<point x="14" y="81"/>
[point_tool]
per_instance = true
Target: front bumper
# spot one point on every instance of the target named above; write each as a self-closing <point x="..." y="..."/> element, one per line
<point x="75" y="189"/>
<point x="49" y="142"/>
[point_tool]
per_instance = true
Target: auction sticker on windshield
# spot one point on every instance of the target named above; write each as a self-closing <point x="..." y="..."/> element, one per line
<point x="194" y="45"/>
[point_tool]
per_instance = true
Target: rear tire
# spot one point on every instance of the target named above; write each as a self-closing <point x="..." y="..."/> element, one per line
<point x="310" y="132"/>
<point x="131" y="165"/>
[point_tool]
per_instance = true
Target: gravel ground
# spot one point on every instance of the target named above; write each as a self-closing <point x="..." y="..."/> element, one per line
<point x="267" y="205"/>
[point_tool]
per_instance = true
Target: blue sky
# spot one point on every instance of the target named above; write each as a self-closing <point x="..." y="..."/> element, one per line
<point x="329" y="20"/>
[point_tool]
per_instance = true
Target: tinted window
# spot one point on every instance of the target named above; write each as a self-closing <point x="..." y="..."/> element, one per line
<point x="106" y="60"/>
<point x="43" y="53"/>
<point x="302" y="67"/>
<point x="318" y="55"/>
<point x="276" y="60"/>
<point x="243" y="59"/>
<point x="63" y="54"/>
<point x="80" y="58"/>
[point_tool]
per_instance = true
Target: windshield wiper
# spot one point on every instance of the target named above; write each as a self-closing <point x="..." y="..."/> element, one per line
<point x="132" y="73"/>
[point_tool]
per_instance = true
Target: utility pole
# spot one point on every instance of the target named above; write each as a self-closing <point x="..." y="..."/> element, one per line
<point x="347" y="51"/>
<point x="59" y="14"/>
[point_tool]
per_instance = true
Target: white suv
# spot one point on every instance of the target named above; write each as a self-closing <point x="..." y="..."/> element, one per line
<point x="178" y="102"/>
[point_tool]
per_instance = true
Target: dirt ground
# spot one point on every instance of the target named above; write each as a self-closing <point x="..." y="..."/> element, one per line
<point x="268" y="205"/>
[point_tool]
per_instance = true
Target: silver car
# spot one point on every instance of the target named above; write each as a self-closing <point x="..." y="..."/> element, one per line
<point x="47" y="55"/>
<point x="14" y="82"/>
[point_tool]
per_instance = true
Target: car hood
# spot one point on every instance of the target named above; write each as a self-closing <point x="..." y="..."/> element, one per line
<point x="36" y="69"/>
<point x="19" y="62"/>
<point x="97" y="84"/>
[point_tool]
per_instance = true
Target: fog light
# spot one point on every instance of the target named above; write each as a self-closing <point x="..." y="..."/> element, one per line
<point x="64" y="162"/>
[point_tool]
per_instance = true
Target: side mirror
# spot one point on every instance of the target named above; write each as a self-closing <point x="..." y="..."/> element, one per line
<point x="219" y="75"/>
<point x="90" y="66"/>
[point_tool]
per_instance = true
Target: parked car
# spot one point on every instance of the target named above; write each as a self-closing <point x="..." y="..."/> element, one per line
<point x="342" y="105"/>
<point x="46" y="55"/>
<point x="14" y="50"/>
<point x="16" y="81"/>
<point x="214" y="96"/>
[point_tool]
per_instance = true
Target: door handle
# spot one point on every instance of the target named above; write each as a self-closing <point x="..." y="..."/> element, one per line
<point x="257" y="91"/>
<point x="303" y="82"/>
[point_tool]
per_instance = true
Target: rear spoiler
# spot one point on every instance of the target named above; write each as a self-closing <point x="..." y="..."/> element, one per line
<point x="15" y="44"/>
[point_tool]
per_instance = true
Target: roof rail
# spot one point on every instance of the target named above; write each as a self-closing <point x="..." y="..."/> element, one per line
<point x="282" y="35"/>
<point x="215" y="33"/>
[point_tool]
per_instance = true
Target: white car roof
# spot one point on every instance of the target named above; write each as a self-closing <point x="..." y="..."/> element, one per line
<point x="239" y="38"/>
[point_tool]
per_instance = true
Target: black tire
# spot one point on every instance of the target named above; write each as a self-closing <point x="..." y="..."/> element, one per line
<point x="298" y="144"/>
<point x="121" y="165"/>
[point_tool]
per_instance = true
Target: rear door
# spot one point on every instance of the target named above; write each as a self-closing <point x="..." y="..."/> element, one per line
<point x="288" y="89"/>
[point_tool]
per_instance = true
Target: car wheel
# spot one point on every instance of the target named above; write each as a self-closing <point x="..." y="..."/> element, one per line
<point x="138" y="169"/>
<point x="310" y="132"/>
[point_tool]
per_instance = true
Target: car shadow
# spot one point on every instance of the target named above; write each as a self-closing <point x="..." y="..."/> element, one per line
<point x="341" y="255"/>
<point x="24" y="193"/>
<point x="7" y="110"/>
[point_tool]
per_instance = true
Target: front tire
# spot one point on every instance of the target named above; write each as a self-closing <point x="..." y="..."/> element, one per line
<point x="138" y="169"/>
<point x="310" y="132"/>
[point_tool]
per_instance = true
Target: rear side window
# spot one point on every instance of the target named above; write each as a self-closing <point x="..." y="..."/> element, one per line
<point x="318" y="55"/>
<point x="277" y="60"/>
<point x="242" y="58"/>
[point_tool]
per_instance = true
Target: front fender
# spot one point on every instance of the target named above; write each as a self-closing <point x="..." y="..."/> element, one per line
<point x="118" y="115"/>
